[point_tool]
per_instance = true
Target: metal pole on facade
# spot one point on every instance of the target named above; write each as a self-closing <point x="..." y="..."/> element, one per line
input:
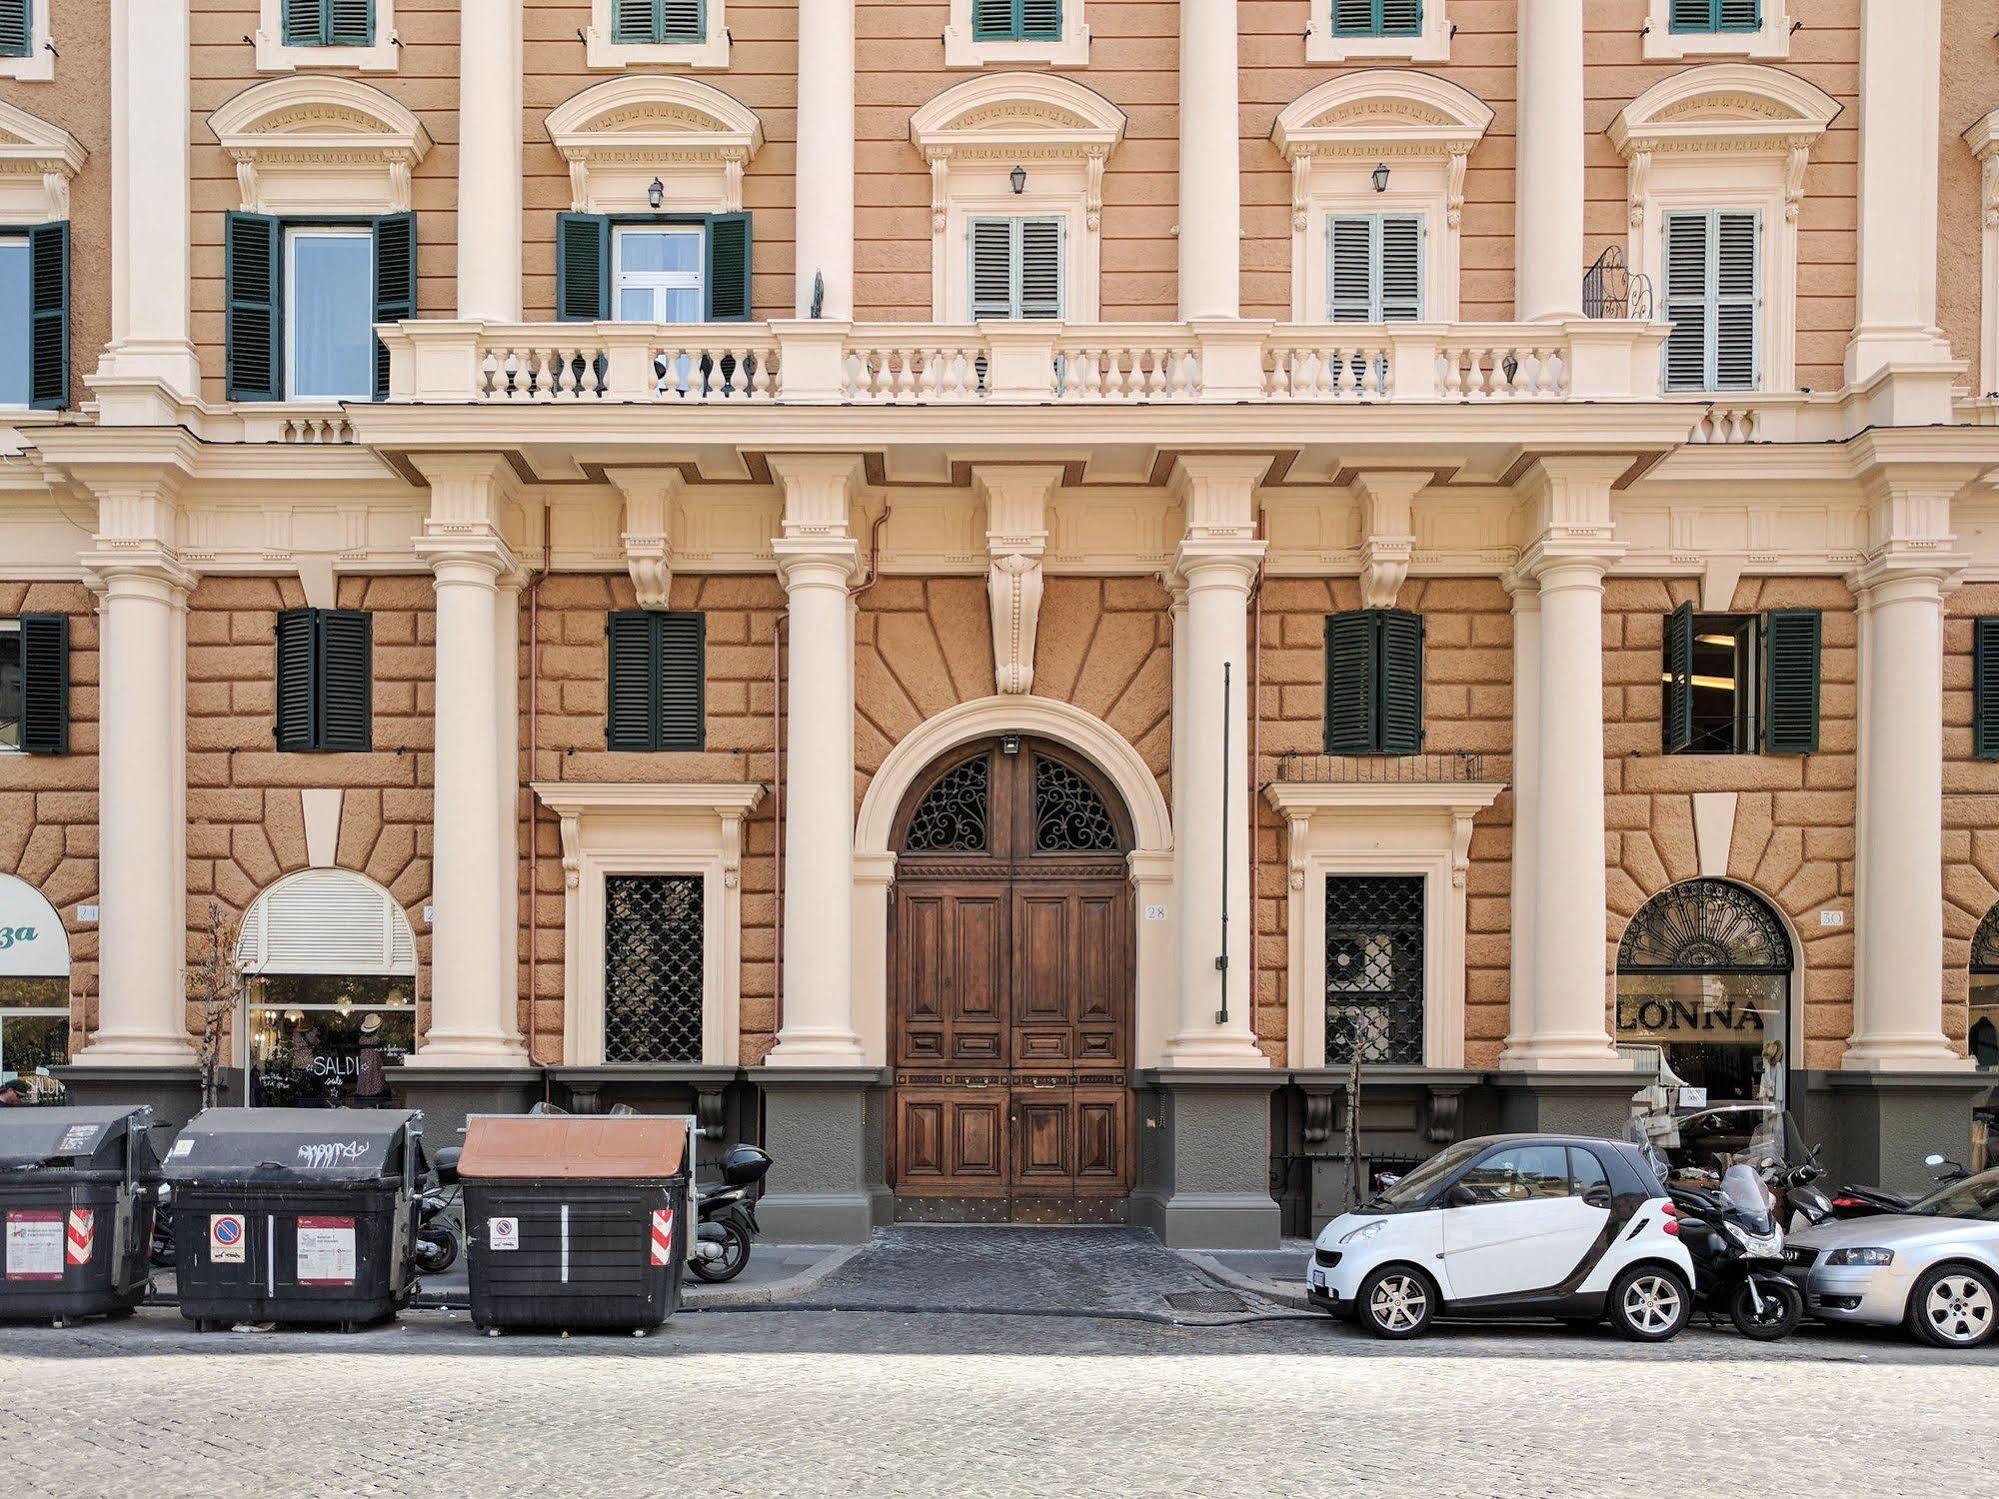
<point x="1222" y="962"/>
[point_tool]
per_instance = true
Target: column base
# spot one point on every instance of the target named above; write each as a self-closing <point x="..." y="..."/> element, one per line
<point x="1596" y="1102"/>
<point x="172" y="1092"/>
<point x="1592" y="1053"/>
<point x="816" y="1049"/>
<point x="136" y="1050"/>
<point x="1204" y="1157"/>
<point x="1904" y="1054"/>
<point x="1876" y="1127"/>
<point x="1211" y="1051"/>
<point x="460" y="1054"/>
<point x="825" y="1129"/>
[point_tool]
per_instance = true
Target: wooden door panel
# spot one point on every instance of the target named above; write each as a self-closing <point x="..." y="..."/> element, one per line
<point x="950" y="973"/>
<point x="1044" y="1139"/>
<point x="1041" y="995"/>
<point x="1101" y="1116"/>
<point x="978" y="1142"/>
<point x="951" y="1142"/>
<point x="920" y="1139"/>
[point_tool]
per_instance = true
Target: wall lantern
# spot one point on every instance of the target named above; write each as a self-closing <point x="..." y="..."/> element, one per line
<point x="1381" y="178"/>
<point x="1018" y="177"/>
<point x="655" y="193"/>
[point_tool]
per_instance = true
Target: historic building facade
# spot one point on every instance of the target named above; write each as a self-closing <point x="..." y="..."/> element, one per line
<point x="990" y="591"/>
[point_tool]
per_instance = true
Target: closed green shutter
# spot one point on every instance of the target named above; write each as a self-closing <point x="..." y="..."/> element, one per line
<point x="45" y="684"/>
<point x="1401" y="260"/>
<point x="305" y="23"/>
<point x="346" y="680"/>
<point x="1040" y="20"/>
<point x="1401" y="17"/>
<point x="1377" y="17"/>
<point x="1351" y="672"/>
<point x="254" y="324"/>
<point x="631" y="22"/>
<point x="1791" y="681"/>
<point x="682" y="21"/>
<point x="1401" y="656"/>
<point x="990" y="255"/>
<point x="628" y="725"/>
<point x="1016" y="20"/>
<point x="1717" y="15"/>
<point x="728" y="275"/>
<point x="298" y="680"/>
<point x="680" y="681"/>
<point x="48" y="311"/>
<point x="1736" y="277"/>
<point x="17" y="28"/>
<point x="395" y="284"/>
<point x="1985" y="688"/>
<point x="1353" y="17"/>
<point x="1713" y="278"/>
<point x="582" y="267"/>
<point x="1040" y="260"/>
<point x="1676" y="720"/>
<point x="350" y="23"/>
<point x="1350" y="268"/>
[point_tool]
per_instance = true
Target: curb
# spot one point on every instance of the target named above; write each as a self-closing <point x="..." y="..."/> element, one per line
<point x="1235" y="1280"/>
<point x="805" y="1280"/>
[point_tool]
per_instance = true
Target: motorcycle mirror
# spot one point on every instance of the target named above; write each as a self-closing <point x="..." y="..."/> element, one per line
<point x="447" y="1164"/>
<point x="1933" y="1160"/>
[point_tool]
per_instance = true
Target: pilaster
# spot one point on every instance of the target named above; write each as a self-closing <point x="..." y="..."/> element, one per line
<point x="1210" y="227"/>
<point x="490" y="67"/>
<point x="1548" y="176"/>
<point x="825" y="217"/>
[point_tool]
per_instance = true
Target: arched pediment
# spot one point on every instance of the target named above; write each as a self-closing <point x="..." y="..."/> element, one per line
<point x="1383" y="111"/>
<point x="303" y="112"/>
<point x="654" y="112"/>
<point x="1036" y="112"/>
<point x="1725" y="105"/>
<point x="37" y="161"/>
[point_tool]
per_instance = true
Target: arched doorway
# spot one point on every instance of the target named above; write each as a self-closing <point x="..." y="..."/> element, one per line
<point x="1010" y="990"/>
<point x="1704" y="974"/>
<point x="1982" y="1024"/>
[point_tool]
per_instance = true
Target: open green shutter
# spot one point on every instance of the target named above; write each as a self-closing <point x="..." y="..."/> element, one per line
<point x="1676" y="720"/>
<point x="17" y="28"/>
<point x="629" y="722"/>
<point x="45" y="684"/>
<point x="1985" y="688"/>
<point x="728" y="267"/>
<point x="298" y="680"/>
<point x="680" y="683"/>
<point x="1791" y="681"/>
<point x="48" y="304"/>
<point x="1351" y="673"/>
<point x="582" y="267"/>
<point x="350" y="23"/>
<point x="346" y="680"/>
<point x="254" y="325"/>
<point x="1401" y="657"/>
<point x="395" y="284"/>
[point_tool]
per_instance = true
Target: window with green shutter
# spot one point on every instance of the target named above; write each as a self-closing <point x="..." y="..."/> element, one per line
<point x="17" y="28"/>
<point x="1016" y="20"/>
<point x="1717" y="15"/>
<point x="359" y="272"/>
<point x="329" y="23"/>
<point x="1374" y="268"/>
<point x="1985" y="688"/>
<point x="1791" y="647"/>
<point x="1374" y="683"/>
<point x="1713" y="283"/>
<point x="658" y="680"/>
<point x="1015" y="266"/>
<point x="325" y="681"/>
<point x="1737" y="684"/>
<point x="656" y="268"/>
<point x="1377" y="17"/>
<point x="34" y="304"/>
<point x="34" y="684"/>
<point x="640" y="23"/>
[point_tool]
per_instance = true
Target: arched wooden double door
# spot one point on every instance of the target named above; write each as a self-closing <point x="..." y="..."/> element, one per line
<point x="1010" y="983"/>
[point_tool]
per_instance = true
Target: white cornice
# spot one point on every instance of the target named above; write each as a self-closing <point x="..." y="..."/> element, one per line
<point x="1454" y="797"/>
<point x="1385" y="110"/>
<point x="1037" y="113"/>
<point x="1725" y="107"/>
<point x="582" y="798"/>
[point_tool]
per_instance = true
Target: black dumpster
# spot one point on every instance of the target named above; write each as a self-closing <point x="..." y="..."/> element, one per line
<point x="76" y="1193"/>
<point x="576" y="1223"/>
<point x="295" y="1215"/>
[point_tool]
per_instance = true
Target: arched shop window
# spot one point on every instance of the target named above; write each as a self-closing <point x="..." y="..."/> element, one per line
<point x="329" y="967"/>
<point x="34" y="981"/>
<point x="1704" y="974"/>
<point x="1984" y="1033"/>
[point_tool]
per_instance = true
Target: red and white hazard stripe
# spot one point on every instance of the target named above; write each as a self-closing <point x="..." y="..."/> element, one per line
<point x="80" y="1236"/>
<point x="662" y="1236"/>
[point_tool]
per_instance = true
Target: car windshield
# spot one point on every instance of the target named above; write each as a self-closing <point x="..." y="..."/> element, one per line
<point x="1425" y="1179"/>
<point x="1977" y="1197"/>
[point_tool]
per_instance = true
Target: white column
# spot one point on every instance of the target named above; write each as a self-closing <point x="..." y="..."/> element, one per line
<point x="507" y="757"/>
<point x="1210" y="162"/>
<point x="1548" y="169"/>
<point x="1215" y="567"/>
<point x="142" y="827"/>
<point x="489" y="160"/>
<point x="825" y="216"/>
<point x="818" y="561"/>
<point x="151" y="343"/>
<point x="1526" y="804"/>
<point x="1898" y="882"/>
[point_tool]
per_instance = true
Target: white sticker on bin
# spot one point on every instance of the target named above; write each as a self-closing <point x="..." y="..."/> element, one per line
<point x="181" y="1149"/>
<point x="34" y="1245"/>
<point x="326" y="1251"/>
<point x="503" y="1233"/>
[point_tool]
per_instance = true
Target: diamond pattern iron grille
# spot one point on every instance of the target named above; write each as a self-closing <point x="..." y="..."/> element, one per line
<point x="1985" y="946"/>
<point x="1704" y="926"/>
<point x="652" y="968"/>
<point x="1069" y="816"/>
<point x="953" y="815"/>
<point x="1374" y="969"/>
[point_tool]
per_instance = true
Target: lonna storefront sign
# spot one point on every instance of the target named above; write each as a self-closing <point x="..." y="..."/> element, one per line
<point x="32" y="941"/>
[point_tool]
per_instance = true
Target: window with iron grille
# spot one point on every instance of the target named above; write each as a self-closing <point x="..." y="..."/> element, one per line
<point x="1374" y="969"/>
<point x="652" y="968"/>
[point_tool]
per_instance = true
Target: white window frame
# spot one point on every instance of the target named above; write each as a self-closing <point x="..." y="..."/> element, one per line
<point x="1660" y="297"/>
<point x="273" y="56"/>
<point x="292" y="234"/>
<point x="1769" y="43"/>
<point x="1070" y="50"/>
<point x="602" y="54"/>
<point x="1431" y="44"/>
<point x="39" y="66"/>
<point x="657" y="281"/>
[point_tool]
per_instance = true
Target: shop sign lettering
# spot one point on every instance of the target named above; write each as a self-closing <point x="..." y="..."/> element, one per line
<point x="9" y="935"/>
<point x="1684" y="1019"/>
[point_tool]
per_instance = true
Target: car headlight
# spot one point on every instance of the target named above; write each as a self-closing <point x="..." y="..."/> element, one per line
<point x="1768" y="1245"/>
<point x="1362" y="1234"/>
<point x="1861" y="1257"/>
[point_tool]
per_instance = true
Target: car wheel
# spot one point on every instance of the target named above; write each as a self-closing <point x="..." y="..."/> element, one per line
<point x="1649" y="1304"/>
<point x="1397" y="1302"/>
<point x="1783" y="1309"/>
<point x="1955" y="1306"/>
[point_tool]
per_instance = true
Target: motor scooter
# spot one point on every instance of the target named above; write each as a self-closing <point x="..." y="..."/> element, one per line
<point x="438" y="1242"/>
<point x="1873" y="1202"/>
<point x="727" y="1216"/>
<point x="1737" y="1244"/>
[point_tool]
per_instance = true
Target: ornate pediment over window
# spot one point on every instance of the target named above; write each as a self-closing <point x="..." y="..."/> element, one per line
<point x="1382" y="112"/>
<point x="308" y="143"/>
<point x="37" y="161"/>
<point x="619" y="135"/>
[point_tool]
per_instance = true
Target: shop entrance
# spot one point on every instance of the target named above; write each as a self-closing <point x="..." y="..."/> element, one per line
<point x="1010" y="990"/>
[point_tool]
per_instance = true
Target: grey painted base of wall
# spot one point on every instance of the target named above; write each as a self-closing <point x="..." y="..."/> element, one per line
<point x="1567" y="1103"/>
<point x="1875" y="1127"/>
<point x="824" y="1129"/>
<point x="449" y="1096"/>
<point x="1204" y="1159"/>
<point x="172" y="1093"/>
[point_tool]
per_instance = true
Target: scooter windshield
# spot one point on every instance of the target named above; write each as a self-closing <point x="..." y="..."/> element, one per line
<point x="1746" y="1193"/>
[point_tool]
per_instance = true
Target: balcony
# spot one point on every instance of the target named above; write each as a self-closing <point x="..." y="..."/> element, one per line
<point x="813" y="363"/>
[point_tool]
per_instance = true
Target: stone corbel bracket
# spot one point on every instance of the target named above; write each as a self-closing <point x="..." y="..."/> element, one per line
<point x="1016" y="500"/>
<point x="1388" y="531"/>
<point x="649" y="495"/>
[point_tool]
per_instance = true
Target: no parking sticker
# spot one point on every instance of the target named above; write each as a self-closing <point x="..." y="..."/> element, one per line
<point x="226" y="1239"/>
<point x="503" y="1233"/>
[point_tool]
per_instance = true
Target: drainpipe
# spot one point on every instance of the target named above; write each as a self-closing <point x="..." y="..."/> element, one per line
<point x="1255" y="776"/>
<point x="534" y="812"/>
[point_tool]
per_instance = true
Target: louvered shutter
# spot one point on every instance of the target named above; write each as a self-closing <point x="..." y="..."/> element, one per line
<point x="45" y="684"/>
<point x="1040" y="20"/>
<point x="298" y="680"/>
<point x="1401" y="17"/>
<point x="1350" y="269"/>
<point x="254" y="325"/>
<point x="305" y="23"/>
<point x="1740" y="15"/>
<point x="632" y="21"/>
<point x="629" y="723"/>
<point x="582" y="267"/>
<point x="17" y="28"/>
<point x="728" y="267"/>
<point x="1401" y="260"/>
<point x="990" y="254"/>
<point x="1985" y="688"/>
<point x="1736" y="274"/>
<point x="48" y="304"/>
<point x="395" y="284"/>
<point x="679" y="681"/>
<point x="1401" y="658"/>
<point x="1353" y="17"/>
<point x="992" y="20"/>
<point x="681" y="21"/>
<point x="1686" y="281"/>
<point x="346" y="680"/>
<point x="1676" y="719"/>
<point x="1350" y="684"/>
<point x="1694" y="15"/>
<point x="1040" y="260"/>
<point x="1791" y="681"/>
<point x="350" y="23"/>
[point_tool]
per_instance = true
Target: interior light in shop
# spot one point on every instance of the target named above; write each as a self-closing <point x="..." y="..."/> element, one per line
<point x="1715" y="639"/>
<point x="656" y="193"/>
<point x="1018" y="177"/>
<point x="1381" y="178"/>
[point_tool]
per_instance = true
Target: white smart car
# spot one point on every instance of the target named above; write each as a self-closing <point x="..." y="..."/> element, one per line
<point x="1555" y="1226"/>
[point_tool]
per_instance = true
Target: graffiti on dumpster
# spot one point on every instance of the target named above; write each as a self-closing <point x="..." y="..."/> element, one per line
<point x="322" y="1154"/>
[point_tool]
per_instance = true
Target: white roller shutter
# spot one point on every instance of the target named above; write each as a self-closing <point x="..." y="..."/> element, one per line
<point x="328" y="921"/>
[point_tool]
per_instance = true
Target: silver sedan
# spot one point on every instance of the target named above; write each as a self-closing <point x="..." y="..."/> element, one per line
<point x="1933" y="1268"/>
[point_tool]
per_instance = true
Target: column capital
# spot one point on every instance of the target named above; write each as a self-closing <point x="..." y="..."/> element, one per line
<point x="1202" y="565"/>
<point x="114" y="567"/>
<point x="817" y="562"/>
<point x="818" y="491"/>
<point x="1218" y="492"/>
<point x="1523" y="588"/>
